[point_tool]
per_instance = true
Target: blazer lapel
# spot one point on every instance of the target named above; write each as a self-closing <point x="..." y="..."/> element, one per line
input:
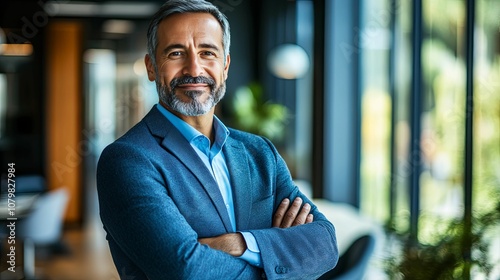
<point x="241" y="183"/>
<point x="175" y="143"/>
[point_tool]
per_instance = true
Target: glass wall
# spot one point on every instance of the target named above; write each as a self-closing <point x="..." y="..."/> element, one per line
<point x="401" y="77"/>
<point x="443" y="119"/>
<point x="118" y="95"/>
<point x="487" y="104"/>
<point x="386" y="84"/>
<point x="486" y="112"/>
<point x="376" y="108"/>
<point x="388" y="150"/>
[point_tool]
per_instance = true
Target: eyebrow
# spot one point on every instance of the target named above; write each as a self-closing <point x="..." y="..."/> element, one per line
<point x="171" y="47"/>
<point x="209" y="46"/>
<point x="180" y="46"/>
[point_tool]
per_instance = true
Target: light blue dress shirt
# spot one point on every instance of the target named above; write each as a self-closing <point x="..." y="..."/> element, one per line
<point x="213" y="158"/>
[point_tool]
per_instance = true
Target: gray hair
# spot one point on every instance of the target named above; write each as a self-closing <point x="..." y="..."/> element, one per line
<point x="186" y="6"/>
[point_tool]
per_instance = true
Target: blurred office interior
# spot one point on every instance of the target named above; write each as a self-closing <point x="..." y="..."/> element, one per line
<point x="387" y="109"/>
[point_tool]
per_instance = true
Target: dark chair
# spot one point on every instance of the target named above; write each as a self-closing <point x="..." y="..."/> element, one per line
<point x="353" y="263"/>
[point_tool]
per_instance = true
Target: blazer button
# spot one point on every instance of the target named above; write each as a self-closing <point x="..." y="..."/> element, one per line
<point x="281" y="269"/>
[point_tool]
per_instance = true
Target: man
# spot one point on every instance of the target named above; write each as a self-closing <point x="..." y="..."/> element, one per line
<point x="183" y="197"/>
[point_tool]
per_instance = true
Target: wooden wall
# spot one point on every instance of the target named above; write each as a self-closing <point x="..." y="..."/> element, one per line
<point x="64" y="112"/>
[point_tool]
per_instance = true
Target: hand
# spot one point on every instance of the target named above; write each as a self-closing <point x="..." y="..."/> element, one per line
<point x="231" y="243"/>
<point x="292" y="215"/>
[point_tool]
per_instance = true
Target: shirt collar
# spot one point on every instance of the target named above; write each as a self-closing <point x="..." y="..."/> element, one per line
<point x="190" y="133"/>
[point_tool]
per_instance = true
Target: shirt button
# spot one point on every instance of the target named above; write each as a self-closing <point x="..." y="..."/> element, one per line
<point x="227" y="206"/>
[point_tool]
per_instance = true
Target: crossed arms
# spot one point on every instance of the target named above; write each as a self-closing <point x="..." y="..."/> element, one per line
<point x="286" y="216"/>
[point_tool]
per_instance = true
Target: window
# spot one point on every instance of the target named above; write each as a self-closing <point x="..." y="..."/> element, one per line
<point x="414" y="164"/>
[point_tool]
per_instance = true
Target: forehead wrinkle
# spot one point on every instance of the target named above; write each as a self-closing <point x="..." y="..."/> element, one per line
<point x="175" y="46"/>
<point x="210" y="32"/>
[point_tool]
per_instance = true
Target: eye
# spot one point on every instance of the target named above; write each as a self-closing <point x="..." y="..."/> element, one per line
<point x="175" y="54"/>
<point x="208" y="53"/>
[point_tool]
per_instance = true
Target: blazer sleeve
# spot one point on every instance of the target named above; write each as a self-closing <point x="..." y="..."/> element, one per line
<point x="148" y="236"/>
<point x="299" y="252"/>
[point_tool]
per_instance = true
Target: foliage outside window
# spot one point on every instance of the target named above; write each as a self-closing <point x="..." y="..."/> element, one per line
<point x="443" y="132"/>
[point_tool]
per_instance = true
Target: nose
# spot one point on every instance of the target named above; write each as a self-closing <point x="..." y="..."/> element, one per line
<point x="192" y="66"/>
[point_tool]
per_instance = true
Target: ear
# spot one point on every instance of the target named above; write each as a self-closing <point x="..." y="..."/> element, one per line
<point x="226" y="67"/>
<point x="150" y="68"/>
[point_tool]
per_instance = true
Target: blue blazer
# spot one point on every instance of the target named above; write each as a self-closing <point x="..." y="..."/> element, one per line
<point x="157" y="198"/>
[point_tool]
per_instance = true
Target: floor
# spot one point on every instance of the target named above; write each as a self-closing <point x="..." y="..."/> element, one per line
<point x="87" y="257"/>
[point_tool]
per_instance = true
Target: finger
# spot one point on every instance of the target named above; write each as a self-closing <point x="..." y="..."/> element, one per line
<point x="280" y="212"/>
<point x="291" y="213"/>
<point x="310" y="218"/>
<point x="302" y="215"/>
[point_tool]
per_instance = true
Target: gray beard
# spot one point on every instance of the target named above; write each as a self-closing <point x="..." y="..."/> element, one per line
<point x="194" y="107"/>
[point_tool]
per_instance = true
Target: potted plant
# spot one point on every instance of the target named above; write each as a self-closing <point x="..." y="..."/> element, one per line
<point x="252" y="113"/>
<point x="446" y="259"/>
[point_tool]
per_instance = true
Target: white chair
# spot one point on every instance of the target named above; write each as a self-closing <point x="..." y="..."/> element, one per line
<point x="42" y="226"/>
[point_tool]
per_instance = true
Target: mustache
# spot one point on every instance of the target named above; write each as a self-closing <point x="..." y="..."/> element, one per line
<point x="192" y="80"/>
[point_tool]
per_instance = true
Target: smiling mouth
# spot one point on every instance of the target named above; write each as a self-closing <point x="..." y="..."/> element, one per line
<point x="193" y="86"/>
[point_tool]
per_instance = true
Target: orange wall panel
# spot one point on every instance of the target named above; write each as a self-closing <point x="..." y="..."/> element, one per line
<point x="64" y="112"/>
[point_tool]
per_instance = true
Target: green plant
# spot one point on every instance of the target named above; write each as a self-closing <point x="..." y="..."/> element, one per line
<point x="446" y="259"/>
<point x="250" y="112"/>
